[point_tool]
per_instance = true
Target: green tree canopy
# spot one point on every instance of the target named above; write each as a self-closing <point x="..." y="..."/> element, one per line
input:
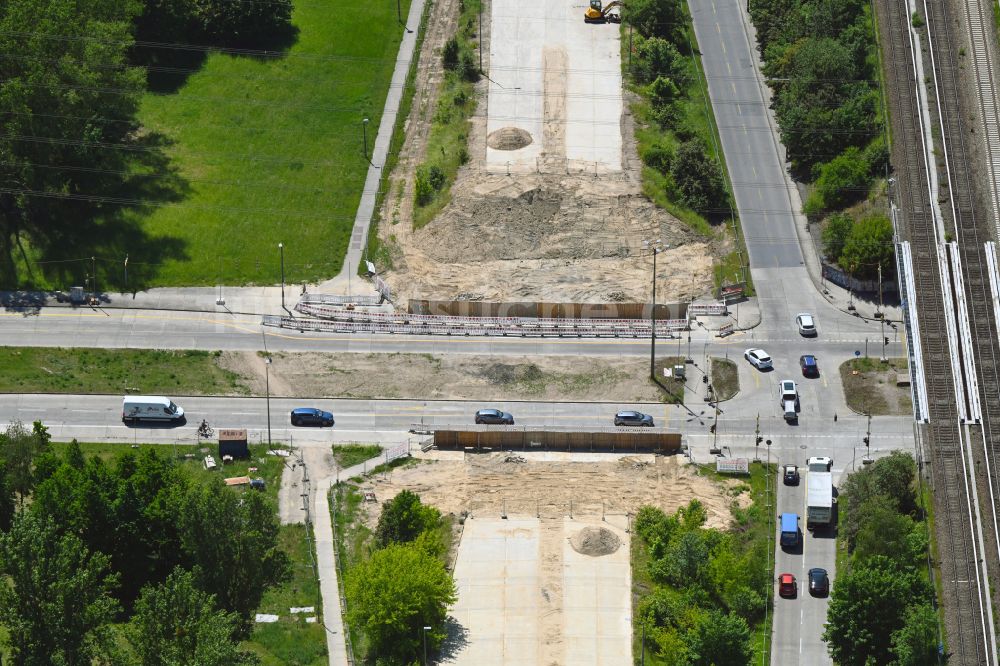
<point x="869" y="245"/>
<point x="835" y="232"/>
<point x="19" y="449"/>
<point x="232" y="542"/>
<point x="720" y="639"/>
<point x="867" y="608"/>
<point x="842" y="180"/>
<point x="176" y="623"/>
<point x="698" y="178"/>
<point x="69" y="100"/>
<point x="56" y="598"/>
<point x="404" y="518"/>
<point x="657" y="57"/>
<point x="657" y="18"/>
<point x="916" y="642"/>
<point x="396" y="593"/>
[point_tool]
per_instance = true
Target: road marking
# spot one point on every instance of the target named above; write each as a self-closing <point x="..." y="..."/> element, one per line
<point x="756" y="380"/>
<point x="752" y="166"/>
<point x="717" y="28"/>
<point x="739" y="109"/>
<point x="729" y="68"/>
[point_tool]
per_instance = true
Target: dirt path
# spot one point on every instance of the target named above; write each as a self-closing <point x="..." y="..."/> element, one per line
<point x="550" y="581"/>
<point x="554" y="61"/>
<point x="453" y="377"/>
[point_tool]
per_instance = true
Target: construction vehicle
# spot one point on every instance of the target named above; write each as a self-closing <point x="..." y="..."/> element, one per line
<point x="597" y="13"/>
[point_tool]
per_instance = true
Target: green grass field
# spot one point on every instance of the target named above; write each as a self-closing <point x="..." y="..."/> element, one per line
<point x="56" y="370"/>
<point x="269" y="150"/>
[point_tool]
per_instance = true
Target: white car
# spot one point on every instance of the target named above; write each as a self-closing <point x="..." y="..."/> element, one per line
<point x="806" y="324"/>
<point x="789" y="391"/>
<point x="758" y="358"/>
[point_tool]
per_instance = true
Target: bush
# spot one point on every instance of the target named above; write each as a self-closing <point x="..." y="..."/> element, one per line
<point x="659" y="157"/>
<point x="835" y="233"/>
<point x="663" y="95"/>
<point x="657" y="57"/>
<point x="449" y="55"/>
<point x="469" y="67"/>
<point x="436" y="177"/>
<point x="841" y="181"/>
<point x="867" y="246"/>
<point x="698" y="178"/>
<point x="423" y="190"/>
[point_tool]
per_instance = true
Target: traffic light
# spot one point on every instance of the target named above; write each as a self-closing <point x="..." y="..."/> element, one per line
<point x="865" y="441"/>
<point x="886" y="341"/>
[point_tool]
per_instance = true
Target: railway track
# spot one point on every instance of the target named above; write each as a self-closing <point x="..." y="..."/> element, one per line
<point x="964" y="585"/>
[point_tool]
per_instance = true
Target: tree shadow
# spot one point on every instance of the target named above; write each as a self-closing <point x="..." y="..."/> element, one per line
<point x="110" y="227"/>
<point x="457" y="640"/>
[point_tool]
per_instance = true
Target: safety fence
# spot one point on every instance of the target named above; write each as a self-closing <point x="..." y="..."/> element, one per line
<point x="339" y="299"/>
<point x="525" y="438"/>
<point x="696" y="309"/>
<point x="345" y="321"/>
<point x="546" y="310"/>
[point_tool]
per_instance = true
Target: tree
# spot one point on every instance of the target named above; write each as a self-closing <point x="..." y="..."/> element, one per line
<point x="176" y="623"/>
<point x="698" y="177"/>
<point x="841" y="181"/>
<point x="449" y="54"/>
<point x="894" y="476"/>
<point x="20" y="448"/>
<point x="657" y="18"/>
<point x="396" y="593"/>
<point x="657" y="57"/>
<point x="404" y="518"/>
<point x="233" y="541"/>
<point x="868" y="246"/>
<point x="69" y="105"/>
<point x="663" y="95"/>
<point x="835" y="232"/>
<point x="916" y="642"/>
<point x="242" y="23"/>
<point x="720" y="640"/>
<point x="865" y="610"/>
<point x="884" y="531"/>
<point x="57" y="596"/>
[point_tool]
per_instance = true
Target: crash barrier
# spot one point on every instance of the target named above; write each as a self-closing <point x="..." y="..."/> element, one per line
<point x="543" y="310"/>
<point x="338" y="299"/>
<point x="697" y="309"/>
<point x="526" y="438"/>
<point x="355" y="322"/>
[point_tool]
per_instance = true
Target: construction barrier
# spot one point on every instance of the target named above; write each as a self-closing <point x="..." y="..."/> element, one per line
<point x="525" y="438"/>
<point x="697" y="309"/>
<point x="543" y="310"/>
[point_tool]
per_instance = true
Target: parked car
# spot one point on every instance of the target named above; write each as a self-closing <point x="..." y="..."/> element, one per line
<point x="787" y="587"/>
<point x="819" y="582"/>
<point x="806" y="324"/>
<point x="809" y="366"/>
<point x="758" y="358"/>
<point x="633" y="419"/>
<point x="309" y="416"/>
<point x="493" y="417"/>
<point x="791" y="475"/>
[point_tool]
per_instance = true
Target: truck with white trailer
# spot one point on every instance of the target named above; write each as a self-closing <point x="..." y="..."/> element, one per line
<point x="819" y="494"/>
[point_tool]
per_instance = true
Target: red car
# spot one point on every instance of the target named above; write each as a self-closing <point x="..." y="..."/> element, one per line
<point x="787" y="586"/>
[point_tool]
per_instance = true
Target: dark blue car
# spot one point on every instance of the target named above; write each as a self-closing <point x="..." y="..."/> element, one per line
<point x="809" y="366"/>
<point x="308" y="416"/>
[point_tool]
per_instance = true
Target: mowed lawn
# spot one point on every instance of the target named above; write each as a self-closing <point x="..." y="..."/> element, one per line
<point x="269" y="150"/>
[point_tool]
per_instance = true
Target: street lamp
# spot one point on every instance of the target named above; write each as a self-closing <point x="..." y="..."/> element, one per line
<point x="426" y="629"/>
<point x="364" y="134"/>
<point x="267" y="392"/>
<point x="281" y="251"/>
<point x="656" y="246"/>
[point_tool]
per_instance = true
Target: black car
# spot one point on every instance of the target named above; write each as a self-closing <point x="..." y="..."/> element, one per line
<point x="791" y="473"/>
<point x="494" y="417"/>
<point x="633" y="419"/>
<point x="308" y="416"/>
<point x="819" y="583"/>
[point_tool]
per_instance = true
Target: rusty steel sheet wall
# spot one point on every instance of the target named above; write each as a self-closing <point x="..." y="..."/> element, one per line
<point x="542" y="309"/>
<point x="514" y="438"/>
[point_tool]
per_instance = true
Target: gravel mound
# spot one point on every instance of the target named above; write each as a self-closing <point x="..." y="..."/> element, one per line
<point x="595" y="541"/>
<point x="508" y="138"/>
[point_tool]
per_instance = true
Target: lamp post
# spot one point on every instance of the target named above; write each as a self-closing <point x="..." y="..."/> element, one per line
<point x="267" y="392"/>
<point x="426" y="629"/>
<point x="364" y="135"/>
<point x="656" y="246"/>
<point x="281" y="251"/>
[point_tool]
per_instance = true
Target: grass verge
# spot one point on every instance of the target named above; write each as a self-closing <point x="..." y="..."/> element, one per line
<point x="447" y="143"/>
<point x="262" y="146"/>
<point x="870" y="386"/>
<point x="291" y="640"/>
<point x="59" y="370"/>
<point x="349" y="455"/>
<point x="725" y="378"/>
<point x="673" y="387"/>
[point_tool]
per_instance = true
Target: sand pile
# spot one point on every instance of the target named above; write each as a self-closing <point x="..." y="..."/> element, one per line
<point x="595" y="541"/>
<point x="508" y="138"/>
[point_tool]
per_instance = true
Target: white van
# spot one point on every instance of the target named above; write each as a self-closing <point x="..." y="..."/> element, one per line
<point x="150" y="408"/>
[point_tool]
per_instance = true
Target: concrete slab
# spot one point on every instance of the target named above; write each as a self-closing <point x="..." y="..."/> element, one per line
<point x="525" y="596"/>
<point x="558" y="79"/>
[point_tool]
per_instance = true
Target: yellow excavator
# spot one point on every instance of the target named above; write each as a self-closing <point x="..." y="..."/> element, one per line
<point x="597" y="13"/>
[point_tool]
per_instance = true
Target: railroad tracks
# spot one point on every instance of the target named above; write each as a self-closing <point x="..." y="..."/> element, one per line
<point x="959" y="356"/>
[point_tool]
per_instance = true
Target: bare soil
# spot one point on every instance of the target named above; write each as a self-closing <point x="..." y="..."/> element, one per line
<point x="452" y="377"/>
<point x="871" y="388"/>
<point x="547" y="236"/>
<point x="493" y="484"/>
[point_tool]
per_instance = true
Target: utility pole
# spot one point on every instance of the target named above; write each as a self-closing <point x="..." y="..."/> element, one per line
<point x="881" y="319"/>
<point x="656" y="247"/>
<point x="868" y="440"/>
<point x="481" y="37"/>
<point x="93" y="264"/>
<point x="756" y="439"/>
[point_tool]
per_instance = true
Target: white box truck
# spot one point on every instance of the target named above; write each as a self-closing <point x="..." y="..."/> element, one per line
<point x="819" y="499"/>
<point x="137" y="408"/>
